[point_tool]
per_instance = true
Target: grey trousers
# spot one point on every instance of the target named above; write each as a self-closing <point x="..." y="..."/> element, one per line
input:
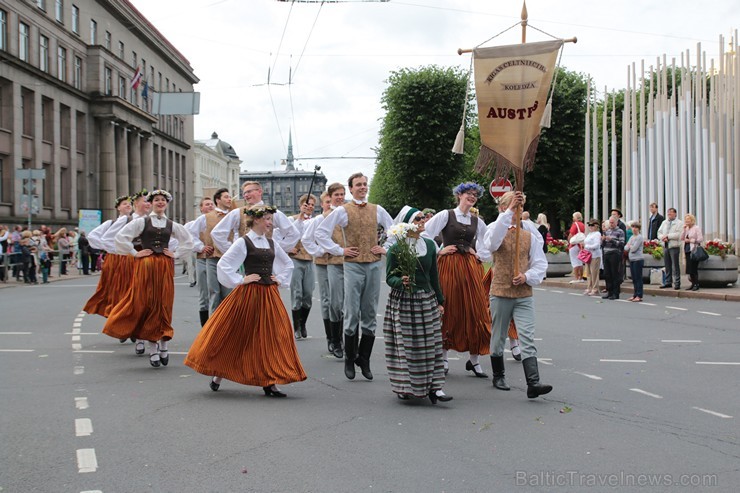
<point x="522" y="311"/>
<point x="672" y="266"/>
<point x="200" y="267"/>
<point x="216" y="292"/>
<point x="301" y="284"/>
<point x="361" y="293"/>
<point x="336" y="291"/>
<point x="322" y="275"/>
<point x="190" y="262"/>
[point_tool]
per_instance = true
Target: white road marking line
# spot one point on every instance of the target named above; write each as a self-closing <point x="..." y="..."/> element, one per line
<point x="623" y="301"/>
<point x="592" y="377"/>
<point x="79" y="370"/>
<point x="76" y="347"/>
<point x="83" y="427"/>
<point x="540" y="289"/>
<point x="76" y="331"/>
<point x="731" y="363"/>
<point x="623" y="361"/>
<point x="17" y="350"/>
<point x="601" y="340"/>
<point x="680" y="340"/>
<point x="82" y="333"/>
<point x="710" y="313"/>
<point x="178" y="352"/>
<point x="14" y="333"/>
<point x="556" y="291"/>
<point x="575" y="294"/>
<point x="76" y="337"/>
<point x="86" y="460"/>
<point x="92" y="491"/>
<point x="677" y="308"/>
<point x="713" y="413"/>
<point x="545" y="361"/>
<point x="78" y="319"/>
<point x="649" y="394"/>
<point x="90" y="351"/>
<point x="81" y="403"/>
<point x="537" y="338"/>
<point x="76" y="324"/>
<point x="646" y="303"/>
<point x="81" y="314"/>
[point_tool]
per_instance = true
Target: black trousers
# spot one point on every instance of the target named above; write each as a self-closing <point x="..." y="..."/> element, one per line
<point x="612" y="272"/>
<point x="692" y="269"/>
<point x="85" y="261"/>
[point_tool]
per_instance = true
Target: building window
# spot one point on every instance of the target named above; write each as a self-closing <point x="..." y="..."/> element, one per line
<point x="159" y="86"/>
<point x="62" y="63"/>
<point x="108" y="81"/>
<point x="133" y="59"/>
<point x="78" y="73"/>
<point x="27" y="112"/>
<point x="122" y="87"/>
<point x="43" y="53"/>
<point x="75" y="19"/>
<point x="2" y="181"/>
<point x="60" y="11"/>
<point x="107" y="40"/>
<point x="47" y="120"/>
<point x="93" y="32"/>
<point x="65" y="126"/>
<point x="23" y="41"/>
<point x="81" y="133"/>
<point x="41" y="4"/>
<point x="3" y="30"/>
<point x="121" y="50"/>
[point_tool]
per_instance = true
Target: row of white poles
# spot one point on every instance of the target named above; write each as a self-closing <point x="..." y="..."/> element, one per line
<point x="680" y="147"/>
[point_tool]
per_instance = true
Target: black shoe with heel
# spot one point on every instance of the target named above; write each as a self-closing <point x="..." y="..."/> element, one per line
<point x="270" y="392"/>
<point x="214" y="386"/>
<point x="471" y="367"/>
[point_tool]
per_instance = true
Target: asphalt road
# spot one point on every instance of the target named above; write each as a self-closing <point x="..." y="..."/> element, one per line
<point x="645" y="399"/>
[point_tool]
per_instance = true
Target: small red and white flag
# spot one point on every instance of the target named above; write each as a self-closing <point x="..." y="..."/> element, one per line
<point x="136" y="79"/>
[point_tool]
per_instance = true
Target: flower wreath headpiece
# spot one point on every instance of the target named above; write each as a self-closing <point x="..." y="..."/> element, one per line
<point x="150" y="196"/>
<point x="260" y="211"/>
<point x="142" y="193"/>
<point x="468" y="187"/>
<point x="122" y="198"/>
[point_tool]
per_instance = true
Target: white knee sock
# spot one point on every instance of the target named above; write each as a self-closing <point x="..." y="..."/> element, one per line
<point x="163" y="345"/>
<point x="217" y="380"/>
<point x="474" y="359"/>
<point x="153" y="350"/>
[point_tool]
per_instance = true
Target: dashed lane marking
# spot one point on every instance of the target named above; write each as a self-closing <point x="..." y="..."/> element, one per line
<point x="601" y="340"/>
<point x="649" y="394"/>
<point x="646" y="303"/>
<point x="81" y="403"/>
<point x="86" y="460"/>
<point x="90" y="351"/>
<point x="17" y="350"/>
<point x="556" y="291"/>
<point x="82" y="333"/>
<point x="728" y="363"/>
<point x="15" y="333"/>
<point x="77" y="347"/>
<point x="713" y="413"/>
<point x="83" y="427"/>
<point x="680" y="340"/>
<point x="79" y="370"/>
<point x="677" y="308"/>
<point x="623" y="361"/>
<point x="709" y="313"/>
<point x="592" y="377"/>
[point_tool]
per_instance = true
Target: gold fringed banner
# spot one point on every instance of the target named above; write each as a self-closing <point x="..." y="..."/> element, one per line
<point x="511" y="85"/>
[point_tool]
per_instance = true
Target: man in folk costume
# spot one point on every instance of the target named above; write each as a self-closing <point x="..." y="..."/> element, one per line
<point x="334" y="270"/>
<point x="321" y="260"/>
<point x="115" y="266"/>
<point x="302" y="281"/>
<point x="234" y="225"/>
<point x="511" y="290"/>
<point x="359" y="221"/>
<point x="146" y="312"/>
<point x="201" y="231"/>
<point x="200" y="250"/>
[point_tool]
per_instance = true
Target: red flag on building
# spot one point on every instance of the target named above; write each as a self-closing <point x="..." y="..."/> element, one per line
<point x="136" y="79"/>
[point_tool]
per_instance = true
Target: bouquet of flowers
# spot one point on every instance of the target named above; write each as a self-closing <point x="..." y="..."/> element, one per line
<point x="654" y="248"/>
<point x="719" y="248"/>
<point x="556" y="246"/>
<point x="405" y="252"/>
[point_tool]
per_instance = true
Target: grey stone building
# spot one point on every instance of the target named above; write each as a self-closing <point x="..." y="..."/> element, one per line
<point x="70" y="105"/>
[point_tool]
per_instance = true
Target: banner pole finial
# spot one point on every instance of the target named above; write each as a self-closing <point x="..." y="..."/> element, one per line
<point x="524" y="22"/>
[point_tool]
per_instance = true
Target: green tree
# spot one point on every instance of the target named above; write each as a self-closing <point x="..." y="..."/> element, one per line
<point x="415" y="164"/>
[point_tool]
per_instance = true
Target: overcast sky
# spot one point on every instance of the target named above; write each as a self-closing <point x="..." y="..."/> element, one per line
<point x="340" y="71"/>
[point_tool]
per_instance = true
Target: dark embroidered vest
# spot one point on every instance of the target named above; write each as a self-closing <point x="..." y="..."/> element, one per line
<point x="153" y="238"/>
<point x="463" y="236"/>
<point x="259" y="260"/>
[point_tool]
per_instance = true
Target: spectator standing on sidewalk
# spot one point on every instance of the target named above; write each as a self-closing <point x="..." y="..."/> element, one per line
<point x="670" y="234"/>
<point x="637" y="262"/>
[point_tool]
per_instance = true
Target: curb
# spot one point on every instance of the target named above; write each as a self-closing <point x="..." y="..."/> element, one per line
<point x="714" y="294"/>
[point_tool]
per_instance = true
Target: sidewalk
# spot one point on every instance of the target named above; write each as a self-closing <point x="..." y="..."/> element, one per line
<point x="722" y="294"/>
<point x="71" y="275"/>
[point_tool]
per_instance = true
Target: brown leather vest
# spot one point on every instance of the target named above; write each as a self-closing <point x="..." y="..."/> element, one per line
<point x="153" y="238"/>
<point x="463" y="236"/>
<point x="212" y="219"/>
<point x="301" y="253"/>
<point x="259" y="260"/>
<point x="361" y="231"/>
<point x="503" y="270"/>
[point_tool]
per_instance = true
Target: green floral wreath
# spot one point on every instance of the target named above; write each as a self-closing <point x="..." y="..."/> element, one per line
<point x="164" y="193"/>
<point x="260" y="211"/>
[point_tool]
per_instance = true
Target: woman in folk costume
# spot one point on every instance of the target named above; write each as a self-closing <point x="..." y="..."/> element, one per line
<point x="248" y="339"/>
<point x="114" y="265"/>
<point x="146" y="311"/>
<point x="466" y="322"/>
<point x="412" y="327"/>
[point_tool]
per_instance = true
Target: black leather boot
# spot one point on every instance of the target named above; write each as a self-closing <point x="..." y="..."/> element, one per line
<point x="497" y="364"/>
<point x="363" y="355"/>
<point x="203" y="317"/>
<point x="304" y="317"/>
<point x="336" y="336"/>
<point x="329" y="339"/>
<point x="532" y="374"/>
<point x="349" y="356"/>
<point x="297" y="323"/>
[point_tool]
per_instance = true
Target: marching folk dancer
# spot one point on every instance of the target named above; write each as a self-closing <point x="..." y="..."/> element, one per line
<point x="201" y="251"/>
<point x="511" y="292"/>
<point x="412" y="326"/>
<point x="321" y="261"/>
<point x="146" y="311"/>
<point x="359" y="221"/>
<point x="302" y="281"/>
<point x="334" y="270"/>
<point x="209" y="252"/>
<point x="248" y="339"/>
<point x="466" y="323"/>
<point x="234" y="225"/>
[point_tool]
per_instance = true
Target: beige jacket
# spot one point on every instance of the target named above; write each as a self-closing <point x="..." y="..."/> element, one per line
<point x="673" y="230"/>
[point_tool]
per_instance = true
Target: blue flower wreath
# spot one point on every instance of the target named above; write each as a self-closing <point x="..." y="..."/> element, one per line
<point x="260" y="211"/>
<point x="468" y="187"/>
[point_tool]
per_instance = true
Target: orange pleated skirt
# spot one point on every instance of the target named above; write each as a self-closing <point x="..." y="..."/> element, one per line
<point x="248" y="340"/>
<point x="99" y="302"/>
<point x="466" y="322"/>
<point x="145" y="310"/>
<point x="119" y="281"/>
<point x="487" y="285"/>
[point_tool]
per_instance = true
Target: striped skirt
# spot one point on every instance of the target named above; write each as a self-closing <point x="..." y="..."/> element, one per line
<point x="413" y="343"/>
<point x="466" y="323"/>
<point x="117" y="269"/>
<point x="248" y="340"/>
<point x="145" y="310"/>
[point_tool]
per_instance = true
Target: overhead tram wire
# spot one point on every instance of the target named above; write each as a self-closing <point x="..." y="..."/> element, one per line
<point x="285" y="28"/>
<point x="309" y="37"/>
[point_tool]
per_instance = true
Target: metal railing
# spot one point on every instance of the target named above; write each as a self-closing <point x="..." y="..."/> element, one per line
<point x="12" y="264"/>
